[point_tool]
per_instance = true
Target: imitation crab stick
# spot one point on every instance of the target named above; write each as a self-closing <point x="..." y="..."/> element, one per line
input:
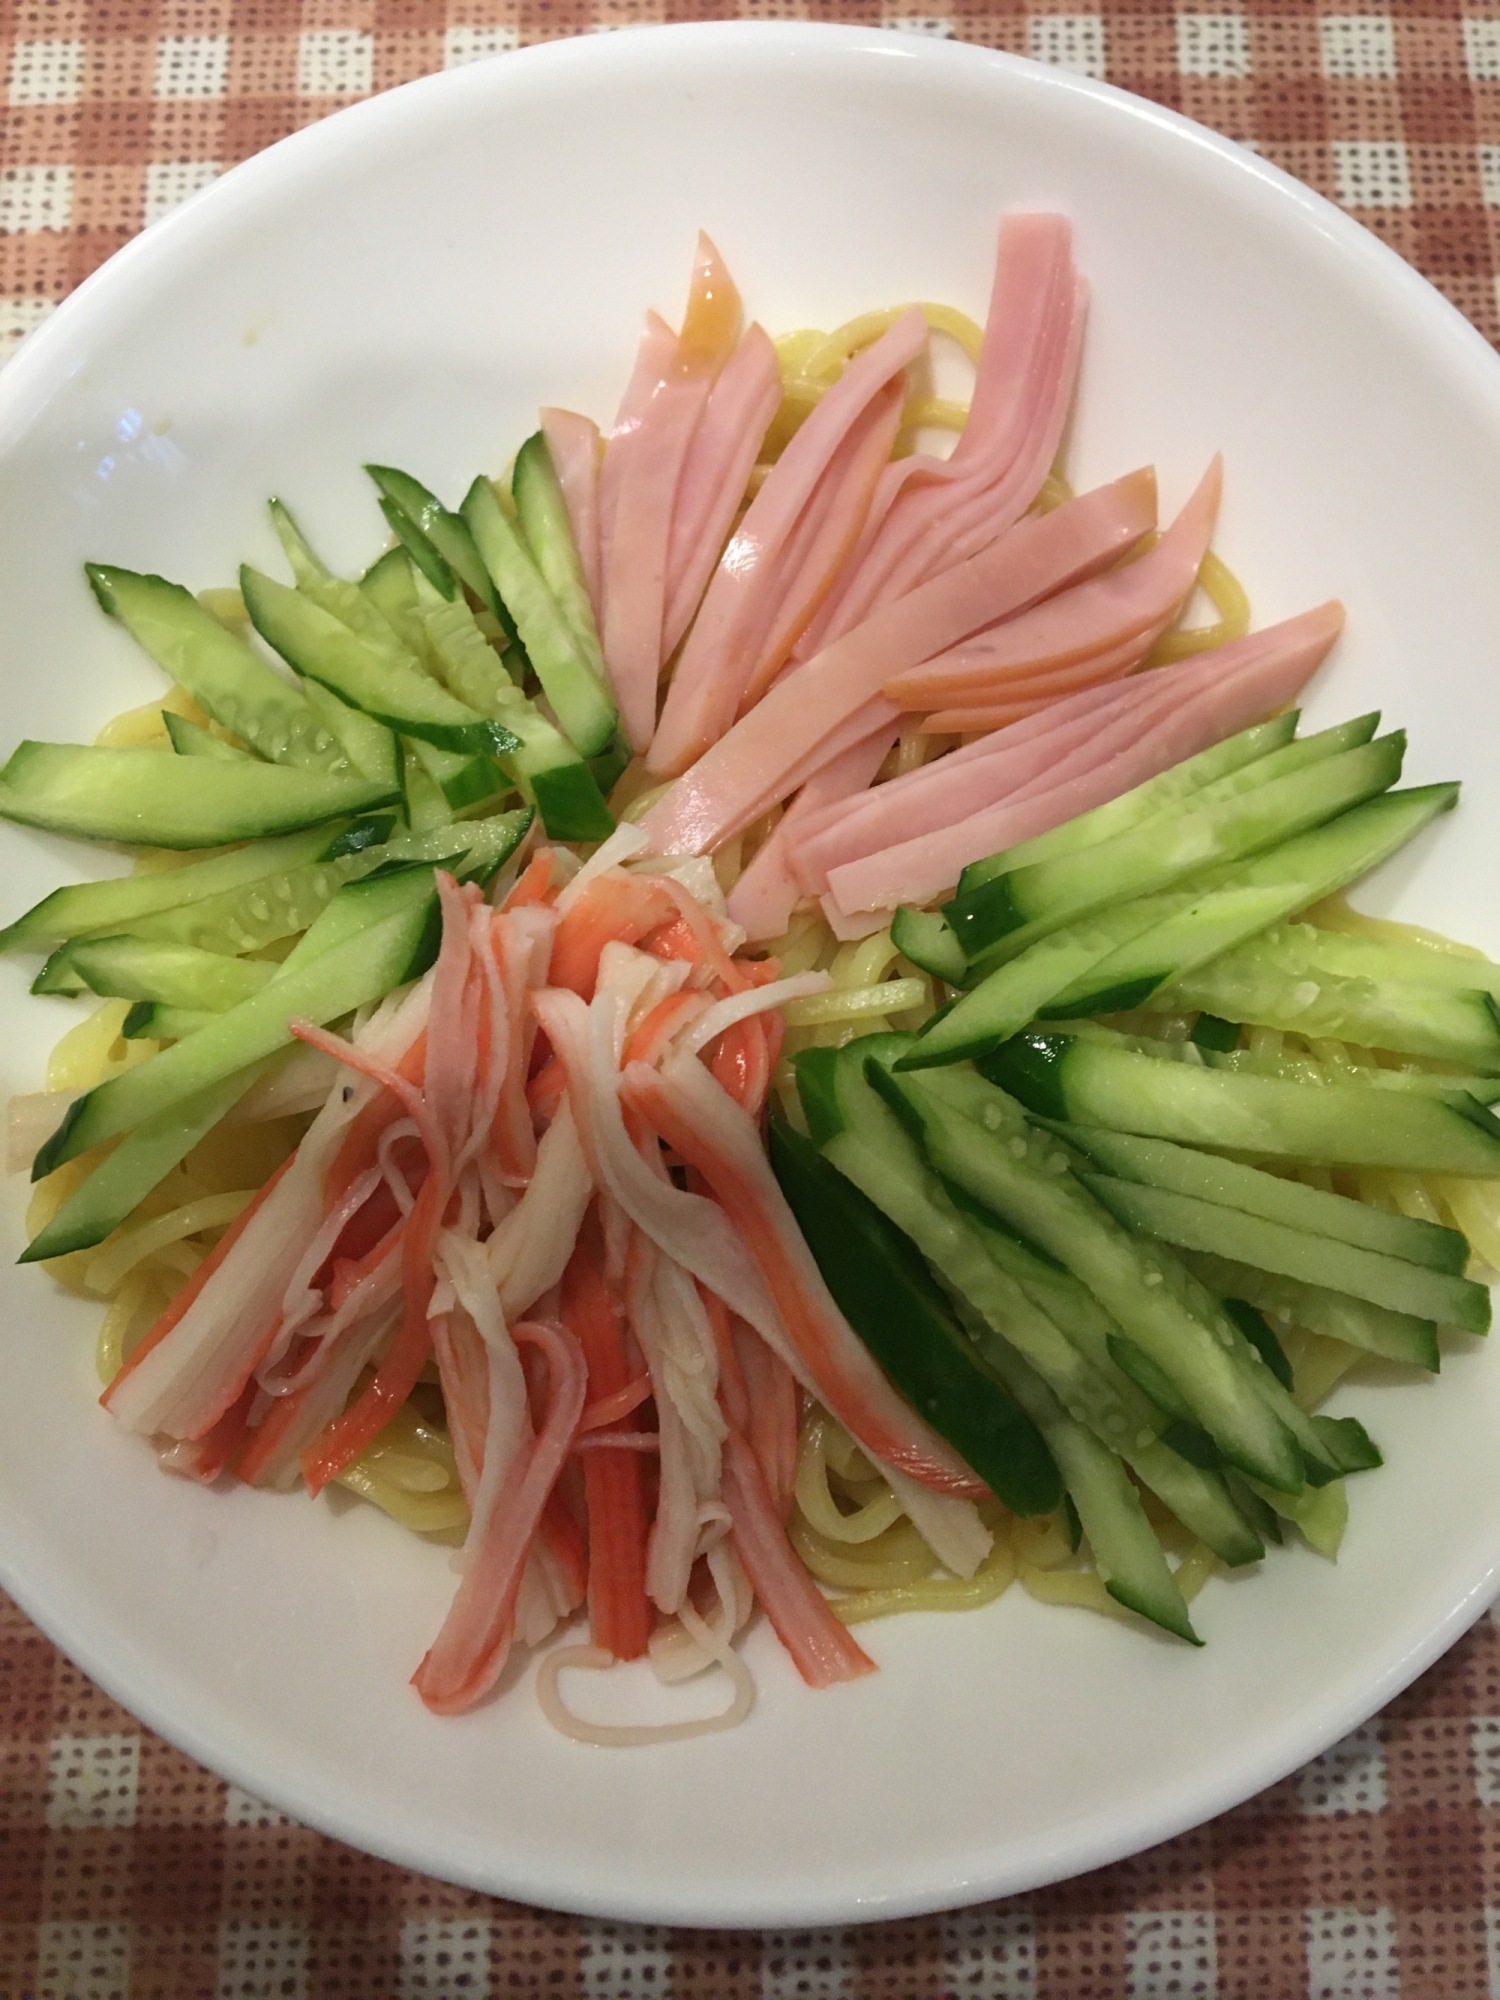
<point x="703" y="1126"/>
<point x="469" y="1653"/>
<point x="741" y="603"/>
<point x="750" y="768"/>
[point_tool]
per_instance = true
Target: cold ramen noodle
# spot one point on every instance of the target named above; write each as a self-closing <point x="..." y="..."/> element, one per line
<point x="756" y="1015"/>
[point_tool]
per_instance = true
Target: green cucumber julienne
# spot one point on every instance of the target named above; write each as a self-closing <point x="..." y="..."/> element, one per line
<point x="1117" y="959"/>
<point x="1341" y="1124"/>
<point x="858" y="1133"/>
<point x="889" y="1297"/>
<point x="146" y="799"/>
<point x="978" y="1139"/>
<point x="218" y="669"/>
<point x="1305" y="784"/>
<point x="401" y="696"/>
<point x="385" y="934"/>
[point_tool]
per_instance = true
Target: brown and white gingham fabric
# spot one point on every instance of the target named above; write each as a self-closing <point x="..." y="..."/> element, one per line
<point x="125" y="1870"/>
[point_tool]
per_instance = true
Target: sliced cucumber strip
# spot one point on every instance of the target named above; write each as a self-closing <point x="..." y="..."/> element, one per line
<point x="372" y="749"/>
<point x="217" y="669"/>
<point x="1261" y="805"/>
<point x="189" y="740"/>
<point x="1232" y="902"/>
<point x="124" y="1176"/>
<point x="1132" y="808"/>
<point x="928" y="940"/>
<point x="1191" y="1224"/>
<point x="1160" y="1164"/>
<point x="149" y="800"/>
<point x="977" y="1137"/>
<point x="584" y="708"/>
<point x="133" y="968"/>
<point x="153" y="1021"/>
<point x="543" y="515"/>
<point x="119" y="904"/>
<point x="859" y="1134"/>
<point x="324" y="649"/>
<point x="394" y="942"/>
<point x="1393" y="1336"/>
<point x="1088" y="1083"/>
<point x="888" y="1296"/>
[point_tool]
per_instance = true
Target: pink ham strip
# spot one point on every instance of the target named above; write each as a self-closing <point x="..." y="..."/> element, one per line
<point x="762" y="900"/>
<point x="573" y="445"/>
<point x="636" y="529"/>
<point x="823" y="1649"/>
<point x="824" y="536"/>
<point x="757" y="762"/>
<point x="469" y="1653"/>
<point x="1205" y="700"/>
<point x="1078" y="624"/>
<point x="932" y="512"/>
<point x="652" y="361"/>
<point x="1031" y="697"/>
<point x="712" y="671"/>
<point x="715" y="474"/>
<point x="948" y="789"/>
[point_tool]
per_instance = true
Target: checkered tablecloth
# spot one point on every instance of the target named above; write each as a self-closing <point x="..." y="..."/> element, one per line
<point x="125" y="1870"/>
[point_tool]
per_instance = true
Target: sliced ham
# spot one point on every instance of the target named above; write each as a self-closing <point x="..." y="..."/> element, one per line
<point x="762" y="900"/>
<point x="739" y="606"/>
<point x="1194" y="704"/>
<point x="1070" y="630"/>
<point x="573" y="446"/>
<point x="716" y="472"/>
<point x="643" y="465"/>
<point x="930" y="512"/>
<point x="758" y="761"/>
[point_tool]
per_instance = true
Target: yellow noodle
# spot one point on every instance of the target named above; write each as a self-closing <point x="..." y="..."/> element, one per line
<point x="95" y="1050"/>
<point x="895" y="1559"/>
<point x="410" y="1473"/>
<point x="108" y="1266"/>
<point x="1334" y="914"/>
<point x="993" y="1577"/>
<point x="110" y="1348"/>
<point x="1224" y="590"/>
<point x="892" y="996"/>
<point x="816" y="1501"/>
<point x="143" y="728"/>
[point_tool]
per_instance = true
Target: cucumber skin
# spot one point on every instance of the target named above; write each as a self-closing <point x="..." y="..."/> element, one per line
<point x="146" y="799"/>
<point x="869" y="1267"/>
<point x="1061" y="1077"/>
<point x="1142" y="801"/>
<point x="383" y="955"/>
<point x="1393" y="1336"/>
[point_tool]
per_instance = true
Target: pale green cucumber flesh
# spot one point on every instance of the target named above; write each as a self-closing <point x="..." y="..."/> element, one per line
<point x="126" y="1175"/>
<point x="131" y="968"/>
<point x="347" y="975"/>
<point x="543" y="515"/>
<point x="121" y="902"/>
<point x="579" y="699"/>
<point x="1393" y="1336"/>
<point x="322" y="648"/>
<point x="1011" y="1171"/>
<point x="1181" y="1170"/>
<point x="1062" y="1076"/>
<point x="1131" y="808"/>
<point x="217" y="668"/>
<point x="1262" y="804"/>
<point x="1192" y="1224"/>
<point x="189" y="740"/>
<point x="927" y="939"/>
<point x="147" y="799"/>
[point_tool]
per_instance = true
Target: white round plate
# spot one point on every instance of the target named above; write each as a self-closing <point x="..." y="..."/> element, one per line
<point x="408" y="282"/>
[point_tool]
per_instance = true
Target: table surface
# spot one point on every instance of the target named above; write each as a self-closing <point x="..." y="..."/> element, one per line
<point x="125" y="1869"/>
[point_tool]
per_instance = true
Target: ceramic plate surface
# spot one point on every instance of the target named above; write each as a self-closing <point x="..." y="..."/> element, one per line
<point x="407" y="283"/>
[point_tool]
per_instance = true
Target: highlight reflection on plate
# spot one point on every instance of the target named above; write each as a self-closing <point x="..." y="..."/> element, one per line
<point x="408" y="282"/>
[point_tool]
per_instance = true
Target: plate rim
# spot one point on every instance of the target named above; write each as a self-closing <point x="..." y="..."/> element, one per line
<point x="115" y="1663"/>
